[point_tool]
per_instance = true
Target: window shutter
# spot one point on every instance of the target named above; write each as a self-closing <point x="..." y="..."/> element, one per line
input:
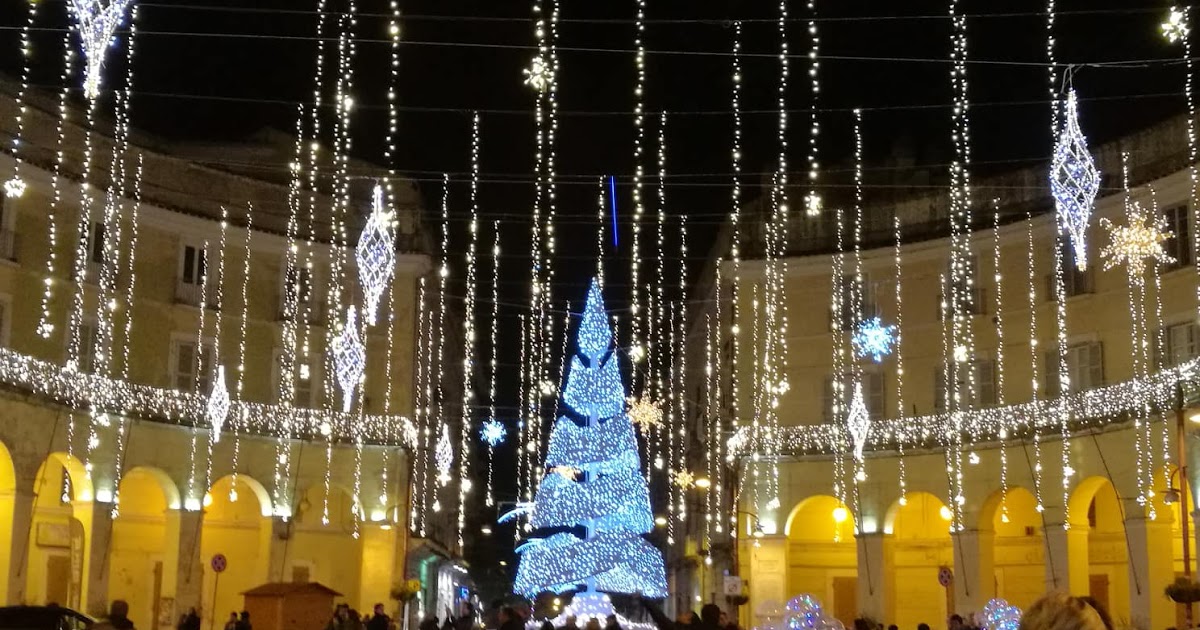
<point x="1050" y="370"/>
<point x="1095" y="364"/>
<point x="1051" y="292"/>
<point x="875" y="391"/>
<point x="985" y="383"/>
<point x="939" y="389"/>
<point x="189" y="264"/>
<point x="827" y="399"/>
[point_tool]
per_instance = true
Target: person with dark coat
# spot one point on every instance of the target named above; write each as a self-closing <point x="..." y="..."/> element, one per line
<point x="510" y="620"/>
<point x="379" y="620"/>
<point x="570" y="624"/>
<point x="231" y="623"/>
<point x="610" y="623"/>
<point x="428" y="623"/>
<point x="118" y="617"/>
<point x="710" y="617"/>
<point x="243" y="622"/>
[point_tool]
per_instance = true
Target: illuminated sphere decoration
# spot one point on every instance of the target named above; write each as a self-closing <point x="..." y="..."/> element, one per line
<point x="998" y="614"/>
<point x="872" y="339"/>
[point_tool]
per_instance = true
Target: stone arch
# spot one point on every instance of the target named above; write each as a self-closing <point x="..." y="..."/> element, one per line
<point x="920" y="546"/>
<point x="238" y="485"/>
<point x="1018" y="545"/>
<point x="1098" y="510"/>
<point x="822" y="555"/>
<point x="80" y="486"/>
<point x="236" y="524"/>
<point x="917" y="507"/>
<point x="61" y="527"/>
<point x="820" y="517"/>
<point x="143" y="540"/>
<point x="1083" y="498"/>
<point x="15" y="530"/>
<point x="327" y="552"/>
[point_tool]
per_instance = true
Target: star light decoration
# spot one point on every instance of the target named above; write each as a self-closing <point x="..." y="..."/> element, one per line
<point x="218" y="405"/>
<point x="1137" y="242"/>
<point x="858" y="422"/>
<point x="1176" y="28"/>
<point x="376" y="255"/>
<point x="14" y="188"/>
<point x="685" y="479"/>
<point x="1074" y="182"/>
<point x="492" y="432"/>
<point x="95" y="21"/>
<point x="443" y="456"/>
<point x="539" y="74"/>
<point x="349" y="358"/>
<point x="645" y="413"/>
<point x="873" y="339"/>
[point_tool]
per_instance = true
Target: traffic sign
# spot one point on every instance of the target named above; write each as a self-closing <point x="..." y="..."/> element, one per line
<point x="945" y="576"/>
<point x="219" y="563"/>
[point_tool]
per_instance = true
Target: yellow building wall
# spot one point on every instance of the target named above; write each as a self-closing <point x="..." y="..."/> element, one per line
<point x="138" y="547"/>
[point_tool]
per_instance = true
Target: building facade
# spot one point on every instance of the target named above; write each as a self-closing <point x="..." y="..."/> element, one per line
<point x="116" y="313"/>
<point x="894" y="543"/>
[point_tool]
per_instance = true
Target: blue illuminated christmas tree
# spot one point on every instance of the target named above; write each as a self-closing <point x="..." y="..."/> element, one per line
<point x="593" y="482"/>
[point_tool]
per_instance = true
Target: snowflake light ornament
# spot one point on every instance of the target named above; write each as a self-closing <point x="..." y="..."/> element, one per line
<point x="443" y="456"/>
<point x="218" y="405"/>
<point x="873" y="339"/>
<point x="1074" y="182"/>
<point x="1176" y="27"/>
<point x="14" y="188"/>
<point x="95" y="21"/>
<point x="685" y="479"/>
<point x="376" y="255"/>
<point x="492" y="432"/>
<point x="1137" y="242"/>
<point x="349" y="358"/>
<point x="539" y="74"/>
<point x="858" y="422"/>
<point x="645" y="413"/>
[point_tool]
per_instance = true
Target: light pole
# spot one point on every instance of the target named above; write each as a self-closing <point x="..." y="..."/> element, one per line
<point x="1173" y="495"/>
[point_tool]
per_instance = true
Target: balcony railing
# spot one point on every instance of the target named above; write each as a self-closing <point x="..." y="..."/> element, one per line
<point x="192" y="295"/>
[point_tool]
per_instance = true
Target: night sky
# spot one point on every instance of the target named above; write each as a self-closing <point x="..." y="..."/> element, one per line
<point x="218" y="70"/>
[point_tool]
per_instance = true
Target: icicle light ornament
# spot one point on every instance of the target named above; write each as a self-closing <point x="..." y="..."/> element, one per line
<point x="349" y="358"/>
<point x="376" y="256"/>
<point x="1074" y="181"/>
<point x="443" y="456"/>
<point x="218" y="405"/>
<point x="873" y="339"/>
<point x="858" y="422"/>
<point x="1137" y="242"/>
<point x="95" y="21"/>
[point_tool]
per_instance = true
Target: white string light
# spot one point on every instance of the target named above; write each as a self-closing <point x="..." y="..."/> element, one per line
<point x="679" y="432"/>
<point x="495" y="361"/>
<point x="45" y="325"/>
<point x="599" y="232"/>
<point x="193" y="500"/>
<point x="96" y="22"/>
<point x="468" y="395"/>
<point x="1033" y="358"/>
<point x="637" y="348"/>
<point x="658" y="353"/>
<point x="858" y="421"/>
<point x="15" y="187"/>
<point x="1155" y="355"/>
<point x="812" y="203"/>
<point x="1135" y="283"/>
<point x="735" y="254"/>
<point x="998" y="277"/>
<point x="418" y="488"/>
<point x="837" y="308"/>
<point x="444" y="276"/>
<point x="900" y="411"/>
<point x="219" y="307"/>
<point x="240" y="381"/>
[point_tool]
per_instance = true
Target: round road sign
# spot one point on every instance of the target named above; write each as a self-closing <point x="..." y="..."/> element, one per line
<point x="219" y="562"/>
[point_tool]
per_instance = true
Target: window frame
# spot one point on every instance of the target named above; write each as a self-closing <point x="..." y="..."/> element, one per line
<point x="173" y="372"/>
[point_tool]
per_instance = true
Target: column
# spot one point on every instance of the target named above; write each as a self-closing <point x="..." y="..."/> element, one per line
<point x="1150" y="571"/>
<point x="1067" y="558"/>
<point x="876" y="576"/>
<point x="16" y="541"/>
<point x="768" y="574"/>
<point x="974" y="570"/>
<point x="376" y="569"/>
<point x="275" y="533"/>
<point x="183" y="570"/>
<point x="96" y="517"/>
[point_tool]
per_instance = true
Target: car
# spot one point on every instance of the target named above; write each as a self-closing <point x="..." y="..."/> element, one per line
<point x="43" y="618"/>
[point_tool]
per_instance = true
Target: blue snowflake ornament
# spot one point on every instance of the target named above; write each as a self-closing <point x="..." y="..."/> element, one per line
<point x="873" y="339"/>
<point x="492" y="432"/>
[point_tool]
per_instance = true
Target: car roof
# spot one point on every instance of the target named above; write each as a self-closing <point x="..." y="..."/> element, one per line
<point x="11" y="614"/>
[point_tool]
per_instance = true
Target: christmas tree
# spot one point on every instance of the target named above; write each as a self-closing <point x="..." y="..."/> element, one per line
<point x="593" y="483"/>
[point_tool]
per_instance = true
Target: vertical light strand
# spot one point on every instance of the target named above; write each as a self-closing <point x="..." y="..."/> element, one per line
<point x="15" y="187"/>
<point x="1033" y="360"/>
<point x="676" y="506"/>
<point x="192" y="497"/>
<point x="531" y="329"/>
<point x="389" y="154"/>
<point x="385" y="452"/>
<point x="1062" y="408"/>
<point x="901" y="436"/>
<point x="599" y="233"/>
<point x="493" y="365"/>
<point x="45" y="324"/>
<point x="546" y="293"/>
<point x="238" y="389"/>
<point x="636" y="344"/>
<point x="418" y="489"/>
<point x="777" y="303"/>
<point x="839" y="317"/>
<point x="660" y="354"/>
<point x="711" y="411"/>
<point x="858" y="292"/>
<point x="129" y="271"/>
<point x="524" y="487"/>
<point x="1193" y="174"/>
<point x="735" y="213"/>
<point x="444" y="275"/>
<point x="812" y="203"/>
<point x="468" y="395"/>
<point x="1144" y="462"/>
<point x="1001" y="395"/>
<point x="218" y="308"/>
<point x="758" y="374"/>
<point x="678" y="434"/>
<point x="1152" y="340"/>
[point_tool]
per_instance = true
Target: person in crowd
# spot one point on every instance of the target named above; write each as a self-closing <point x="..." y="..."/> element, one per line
<point x="339" y="619"/>
<point x="710" y="617"/>
<point x="922" y="626"/>
<point x="547" y="625"/>
<point x="610" y="623"/>
<point x="244" y="621"/>
<point x="1099" y="608"/>
<point x="231" y="623"/>
<point x="467" y="620"/>
<point x="893" y="627"/>
<point x="510" y="620"/>
<point x="1059" y="611"/>
<point x="379" y="620"/>
<point x="428" y="623"/>
<point x="592" y="624"/>
<point x="685" y="618"/>
<point x="955" y="623"/>
<point x="570" y="623"/>
<point x="118" y="617"/>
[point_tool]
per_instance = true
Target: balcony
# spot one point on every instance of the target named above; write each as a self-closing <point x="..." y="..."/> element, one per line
<point x="191" y="294"/>
<point x="312" y="313"/>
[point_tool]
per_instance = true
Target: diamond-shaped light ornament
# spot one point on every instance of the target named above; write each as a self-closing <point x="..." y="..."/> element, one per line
<point x="95" y="21"/>
<point x="858" y="422"/>
<point x="376" y="255"/>
<point x="443" y="456"/>
<point x="1074" y="182"/>
<point x="349" y="358"/>
<point x="873" y="339"/>
<point x="218" y="405"/>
